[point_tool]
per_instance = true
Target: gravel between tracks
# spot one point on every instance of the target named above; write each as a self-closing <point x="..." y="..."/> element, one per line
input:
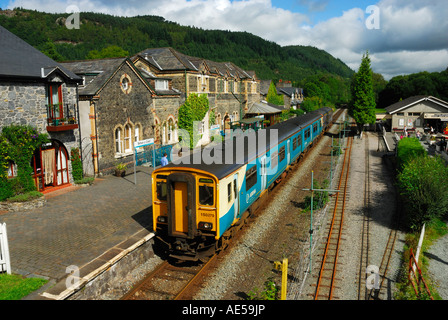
<point x="282" y="231"/>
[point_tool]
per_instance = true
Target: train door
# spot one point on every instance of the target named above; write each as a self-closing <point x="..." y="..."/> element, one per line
<point x="181" y="205"/>
<point x="236" y="193"/>
<point x="263" y="173"/>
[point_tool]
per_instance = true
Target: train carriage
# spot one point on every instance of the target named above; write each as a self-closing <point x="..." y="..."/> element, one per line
<point x="197" y="203"/>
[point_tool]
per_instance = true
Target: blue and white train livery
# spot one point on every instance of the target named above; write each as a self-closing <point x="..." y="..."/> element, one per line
<point x="198" y="207"/>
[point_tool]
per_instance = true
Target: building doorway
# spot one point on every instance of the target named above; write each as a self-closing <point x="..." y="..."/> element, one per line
<point x="50" y="166"/>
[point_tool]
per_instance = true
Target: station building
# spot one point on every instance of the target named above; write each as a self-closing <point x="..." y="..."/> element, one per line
<point x="419" y="113"/>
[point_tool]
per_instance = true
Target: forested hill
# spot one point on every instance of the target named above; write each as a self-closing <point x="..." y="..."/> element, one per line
<point x="102" y="35"/>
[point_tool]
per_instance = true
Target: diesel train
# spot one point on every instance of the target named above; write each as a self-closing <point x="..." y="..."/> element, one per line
<point x="198" y="204"/>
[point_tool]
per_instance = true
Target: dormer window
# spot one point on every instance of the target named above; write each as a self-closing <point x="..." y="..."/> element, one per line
<point x="161" y="84"/>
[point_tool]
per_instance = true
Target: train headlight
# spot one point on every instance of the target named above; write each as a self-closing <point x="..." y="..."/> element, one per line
<point x="162" y="219"/>
<point x="205" y="225"/>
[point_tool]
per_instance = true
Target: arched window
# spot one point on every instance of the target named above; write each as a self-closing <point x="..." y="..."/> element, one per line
<point x="227" y="121"/>
<point x="171" y="130"/>
<point x="137" y="133"/>
<point x="127" y="138"/>
<point x="218" y="120"/>
<point x="119" y="140"/>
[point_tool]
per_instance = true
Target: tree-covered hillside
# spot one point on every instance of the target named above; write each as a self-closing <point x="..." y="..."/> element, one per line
<point x="130" y="35"/>
<point x="421" y="83"/>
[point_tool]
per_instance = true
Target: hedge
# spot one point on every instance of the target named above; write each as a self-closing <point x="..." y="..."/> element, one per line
<point x="407" y="149"/>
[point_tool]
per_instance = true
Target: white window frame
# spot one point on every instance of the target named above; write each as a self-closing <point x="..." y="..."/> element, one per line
<point x="161" y="84"/>
<point x="128" y="138"/>
<point x="118" y="141"/>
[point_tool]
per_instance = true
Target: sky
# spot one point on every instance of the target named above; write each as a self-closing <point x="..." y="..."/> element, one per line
<point x="401" y="36"/>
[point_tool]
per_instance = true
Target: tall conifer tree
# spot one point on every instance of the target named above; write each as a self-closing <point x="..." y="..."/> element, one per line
<point x="362" y="107"/>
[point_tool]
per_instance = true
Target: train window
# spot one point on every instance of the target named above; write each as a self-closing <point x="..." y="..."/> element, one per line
<point x="307" y="134"/>
<point x="281" y="155"/>
<point x="315" y="128"/>
<point x="251" y="178"/>
<point x="299" y="141"/>
<point x="229" y="192"/>
<point x="161" y="190"/>
<point x="295" y="143"/>
<point x="206" y="195"/>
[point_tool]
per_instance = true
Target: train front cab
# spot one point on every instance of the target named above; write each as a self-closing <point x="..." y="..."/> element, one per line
<point x="185" y="215"/>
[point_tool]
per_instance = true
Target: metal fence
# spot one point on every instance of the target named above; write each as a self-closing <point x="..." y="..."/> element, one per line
<point x="147" y="155"/>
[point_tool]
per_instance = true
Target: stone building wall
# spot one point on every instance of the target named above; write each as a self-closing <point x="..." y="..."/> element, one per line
<point x="117" y="108"/>
<point x="25" y="103"/>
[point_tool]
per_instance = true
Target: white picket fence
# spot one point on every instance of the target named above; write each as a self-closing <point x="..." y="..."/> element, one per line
<point x="5" y="263"/>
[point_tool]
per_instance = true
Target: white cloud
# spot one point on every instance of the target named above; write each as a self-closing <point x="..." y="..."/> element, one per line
<point x="412" y="35"/>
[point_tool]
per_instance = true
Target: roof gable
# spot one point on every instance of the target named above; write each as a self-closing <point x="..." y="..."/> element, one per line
<point x="95" y="72"/>
<point x="409" y="102"/>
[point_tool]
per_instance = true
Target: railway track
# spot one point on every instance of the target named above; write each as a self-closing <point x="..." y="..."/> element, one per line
<point x="368" y="273"/>
<point x="377" y="293"/>
<point x="327" y="277"/>
<point x="175" y="281"/>
<point x="169" y="281"/>
<point x="365" y="232"/>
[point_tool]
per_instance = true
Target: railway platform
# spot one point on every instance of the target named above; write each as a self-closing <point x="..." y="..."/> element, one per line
<point x="87" y="228"/>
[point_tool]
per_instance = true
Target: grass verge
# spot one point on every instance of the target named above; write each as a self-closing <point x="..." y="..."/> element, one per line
<point x="434" y="231"/>
<point x="15" y="287"/>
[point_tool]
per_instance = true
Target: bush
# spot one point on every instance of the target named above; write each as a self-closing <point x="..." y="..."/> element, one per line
<point x="75" y="157"/>
<point x="17" y="144"/>
<point x="422" y="184"/>
<point x="407" y="149"/>
<point x="85" y="180"/>
<point x="5" y="189"/>
<point x="32" y="195"/>
<point x="320" y="198"/>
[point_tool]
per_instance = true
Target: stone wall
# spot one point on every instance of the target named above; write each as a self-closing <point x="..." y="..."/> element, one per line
<point x="23" y="104"/>
<point x="117" y="108"/>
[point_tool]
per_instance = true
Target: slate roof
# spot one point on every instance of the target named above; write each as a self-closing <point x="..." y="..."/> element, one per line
<point x="264" y="108"/>
<point x="96" y="72"/>
<point x="411" y="101"/>
<point x="19" y="60"/>
<point x="289" y="90"/>
<point x="168" y="59"/>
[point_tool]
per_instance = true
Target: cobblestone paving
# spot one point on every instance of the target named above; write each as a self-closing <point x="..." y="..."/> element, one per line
<point x="77" y="226"/>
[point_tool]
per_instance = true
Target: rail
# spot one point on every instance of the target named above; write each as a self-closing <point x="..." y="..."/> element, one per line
<point x="365" y="236"/>
<point x="329" y="263"/>
<point x="168" y="282"/>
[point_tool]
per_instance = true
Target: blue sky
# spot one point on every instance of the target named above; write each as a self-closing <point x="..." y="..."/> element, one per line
<point x="320" y="10"/>
<point x="407" y="36"/>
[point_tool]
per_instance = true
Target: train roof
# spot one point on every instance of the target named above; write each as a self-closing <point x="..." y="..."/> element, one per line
<point x="224" y="158"/>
